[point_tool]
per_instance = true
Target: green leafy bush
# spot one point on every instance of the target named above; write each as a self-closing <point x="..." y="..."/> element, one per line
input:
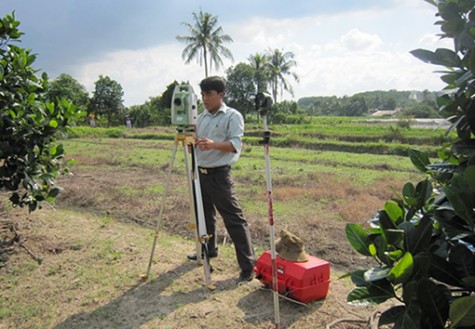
<point x="423" y="241"/>
<point x="30" y="158"/>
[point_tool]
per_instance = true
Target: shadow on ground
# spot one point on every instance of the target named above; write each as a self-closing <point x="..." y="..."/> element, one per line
<point x="289" y="312"/>
<point x="141" y="303"/>
<point x="151" y="302"/>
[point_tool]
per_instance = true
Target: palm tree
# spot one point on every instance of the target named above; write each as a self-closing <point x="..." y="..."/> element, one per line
<point x="260" y="64"/>
<point x="205" y="41"/>
<point x="280" y="65"/>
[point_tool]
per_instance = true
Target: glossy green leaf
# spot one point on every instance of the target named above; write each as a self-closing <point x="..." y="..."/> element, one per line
<point x="462" y="208"/>
<point x="440" y="56"/>
<point x="402" y="270"/>
<point x="433" y="301"/>
<point x="421" y="266"/>
<point x="472" y="63"/>
<point x="385" y="221"/>
<point x="409" y="293"/>
<point x="419" y="239"/>
<point x="469" y="175"/>
<point x="53" y="193"/>
<point x="394" y="237"/>
<point x="393" y="210"/>
<point x="359" y="296"/>
<point x="53" y="123"/>
<point x="462" y="312"/>
<point x="381" y="245"/>
<point x="432" y="2"/>
<point x="469" y="282"/>
<point x="395" y="255"/>
<point x="462" y="259"/>
<point x="359" y="240"/>
<point x="466" y="147"/>
<point x="409" y="194"/>
<point x="391" y="315"/>
<point x="410" y="318"/>
<point x="443" y="271"/>
<point x="357" y="277"/>
<point x="376" y="293"/>
<point x="376" y="274"/>
<point x="419" y="159"/>
<point x="424" y="192"/>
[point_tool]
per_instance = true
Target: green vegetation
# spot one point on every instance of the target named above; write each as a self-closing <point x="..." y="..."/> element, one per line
<point x="30" y="157"/>
<point x="297" y="169"/>
<point x="120" y="176"/>
<point x="337" y="134"/>
<point x="107" y="101"/>
<point x="205" y="41"/>
<point x="423" y="240"/>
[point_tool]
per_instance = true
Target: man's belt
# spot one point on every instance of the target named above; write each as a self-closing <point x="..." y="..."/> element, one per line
<point x="211" y="171"/>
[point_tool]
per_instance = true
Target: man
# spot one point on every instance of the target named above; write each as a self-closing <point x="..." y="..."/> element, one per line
<point x="218" y="145"/>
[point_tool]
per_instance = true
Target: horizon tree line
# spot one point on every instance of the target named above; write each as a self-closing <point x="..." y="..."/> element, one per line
<point x="267" y="71"/>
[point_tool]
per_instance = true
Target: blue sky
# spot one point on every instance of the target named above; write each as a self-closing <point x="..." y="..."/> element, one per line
<point x="341" y="46"/>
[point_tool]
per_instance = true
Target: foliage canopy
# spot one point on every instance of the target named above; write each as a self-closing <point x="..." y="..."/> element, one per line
<point x="30" y="158"/>
<point x="205" y="41"/>
<point x="424" y="239"/>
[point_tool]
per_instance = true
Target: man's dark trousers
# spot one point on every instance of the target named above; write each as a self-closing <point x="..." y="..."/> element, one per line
<point x="217" y="191"/>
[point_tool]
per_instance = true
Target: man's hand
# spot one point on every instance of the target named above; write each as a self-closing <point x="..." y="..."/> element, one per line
<point x="205" y="144"/>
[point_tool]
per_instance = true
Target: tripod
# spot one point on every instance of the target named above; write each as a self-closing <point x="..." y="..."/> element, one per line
<point x="186" y="138"/>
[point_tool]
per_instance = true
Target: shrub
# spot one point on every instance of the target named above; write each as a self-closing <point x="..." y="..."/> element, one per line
<point x="30" y="158"/>
<point x="424" y="239"/>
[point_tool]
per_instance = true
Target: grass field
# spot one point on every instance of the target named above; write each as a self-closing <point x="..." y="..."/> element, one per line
<point x="96" y="243"/>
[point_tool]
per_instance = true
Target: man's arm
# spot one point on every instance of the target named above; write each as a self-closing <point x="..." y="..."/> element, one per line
<point x="205" y="144"/>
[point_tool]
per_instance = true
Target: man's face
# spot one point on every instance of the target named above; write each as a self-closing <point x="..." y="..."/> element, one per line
<point x="212" y="100"/>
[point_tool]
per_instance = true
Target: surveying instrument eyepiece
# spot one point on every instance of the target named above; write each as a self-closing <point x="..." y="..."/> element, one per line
<point x="184" y="114"/>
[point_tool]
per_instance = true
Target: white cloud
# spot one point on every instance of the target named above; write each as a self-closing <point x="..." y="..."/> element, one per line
<point x="355" y="40"/>
<point x="432" y="41"/>
<point x="142" y="73"/>
<point x="338" y="54"/>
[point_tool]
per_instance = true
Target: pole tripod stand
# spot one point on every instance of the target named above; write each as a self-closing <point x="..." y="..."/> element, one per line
<point x="263" y="105"/>
<point x="275" y="288"/>
<point x="186" y="138"/>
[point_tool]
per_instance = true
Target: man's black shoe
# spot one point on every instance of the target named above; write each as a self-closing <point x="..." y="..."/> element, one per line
<point x="211" y="255"/>
<point x="245" y="276"/>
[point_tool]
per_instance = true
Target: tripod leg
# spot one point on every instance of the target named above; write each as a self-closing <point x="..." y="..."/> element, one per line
<point x="193" y="205"/>
<point x="198" y="212"/>
<point x="162" y="206"/>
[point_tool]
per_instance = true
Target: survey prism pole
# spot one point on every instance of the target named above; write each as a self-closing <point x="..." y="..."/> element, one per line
<point x="275" y="283"/>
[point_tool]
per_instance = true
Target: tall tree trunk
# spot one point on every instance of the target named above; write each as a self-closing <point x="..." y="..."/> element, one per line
<point x="205" y="56"/>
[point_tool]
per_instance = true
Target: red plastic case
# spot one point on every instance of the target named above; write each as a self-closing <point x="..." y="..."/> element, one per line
<point x="303" y="281"/>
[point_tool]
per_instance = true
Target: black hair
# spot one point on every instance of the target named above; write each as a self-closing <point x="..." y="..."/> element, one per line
<point x="213" y="83"/>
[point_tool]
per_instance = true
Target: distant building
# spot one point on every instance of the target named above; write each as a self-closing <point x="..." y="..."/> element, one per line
<point x="417" y="96"/>
<point x="385" y="113"/>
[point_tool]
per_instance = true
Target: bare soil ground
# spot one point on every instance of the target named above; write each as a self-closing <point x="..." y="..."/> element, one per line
<point x="97" y="242"/>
